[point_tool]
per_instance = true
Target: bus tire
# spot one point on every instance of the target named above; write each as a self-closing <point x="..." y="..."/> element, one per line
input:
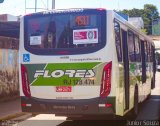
<point x="136" y="108"/>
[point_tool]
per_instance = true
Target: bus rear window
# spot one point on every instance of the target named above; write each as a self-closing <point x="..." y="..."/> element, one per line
<point x="76" y="32"/>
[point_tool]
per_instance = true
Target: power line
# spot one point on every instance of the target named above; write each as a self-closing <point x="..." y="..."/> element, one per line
<point x="44" y="4"/>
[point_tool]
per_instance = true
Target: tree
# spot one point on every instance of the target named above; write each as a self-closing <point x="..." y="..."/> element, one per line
<point x="144" y="31"/>
<point x="133" y="13"/>
<point x="150" y="13"/>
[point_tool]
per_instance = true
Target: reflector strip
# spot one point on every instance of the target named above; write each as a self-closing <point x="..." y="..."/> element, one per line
<point x="105" y="105"/>
<point x="26" y="105"/>
<point x="101" y="105"/>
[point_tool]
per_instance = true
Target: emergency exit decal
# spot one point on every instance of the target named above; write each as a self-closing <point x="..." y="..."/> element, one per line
<point x="85" y="36"/>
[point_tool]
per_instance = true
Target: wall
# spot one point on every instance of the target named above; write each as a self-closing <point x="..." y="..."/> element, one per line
<point x="9" y="87"/>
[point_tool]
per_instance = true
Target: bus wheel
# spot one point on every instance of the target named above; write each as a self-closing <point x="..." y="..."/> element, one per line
<point x="135" y="109"/>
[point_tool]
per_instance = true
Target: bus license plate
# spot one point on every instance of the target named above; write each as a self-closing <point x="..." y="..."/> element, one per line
<point x="63" y="89"/>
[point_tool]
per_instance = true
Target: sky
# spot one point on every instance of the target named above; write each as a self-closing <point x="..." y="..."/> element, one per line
<point x="17" y="7"/>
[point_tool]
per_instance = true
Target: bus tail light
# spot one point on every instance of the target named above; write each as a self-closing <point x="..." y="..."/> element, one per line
<point x="25" y="81"/>
<point x="106" y="80"/>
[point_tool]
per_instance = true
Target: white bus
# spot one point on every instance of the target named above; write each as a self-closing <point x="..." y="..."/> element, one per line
<point x="83" y="62"/>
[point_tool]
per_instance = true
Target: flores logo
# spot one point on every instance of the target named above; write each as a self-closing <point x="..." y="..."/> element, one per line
<point x="69" y="73"/>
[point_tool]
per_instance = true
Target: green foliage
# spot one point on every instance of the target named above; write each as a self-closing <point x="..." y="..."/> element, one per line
<point x="144" y="31"/>
<point x="149" y="13"/>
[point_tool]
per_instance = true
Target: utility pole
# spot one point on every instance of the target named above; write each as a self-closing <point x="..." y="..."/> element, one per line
<point x="35" y="5"/>
<point x="53" y="4"/>
<point x="36" y="8"/>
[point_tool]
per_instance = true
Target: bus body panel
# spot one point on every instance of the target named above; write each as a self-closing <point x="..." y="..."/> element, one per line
<point x="135" y="74"/>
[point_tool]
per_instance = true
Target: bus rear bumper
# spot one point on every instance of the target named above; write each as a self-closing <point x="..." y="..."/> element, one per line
<point x="92" y="106"/>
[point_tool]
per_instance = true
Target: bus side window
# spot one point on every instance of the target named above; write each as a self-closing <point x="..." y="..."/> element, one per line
<point x="118" y="40"/>
<point x="137" y="49"/>
<point x="131" y="46"/>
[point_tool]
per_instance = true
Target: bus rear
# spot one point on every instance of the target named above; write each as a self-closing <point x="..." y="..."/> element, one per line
<point x="63" y="69"/>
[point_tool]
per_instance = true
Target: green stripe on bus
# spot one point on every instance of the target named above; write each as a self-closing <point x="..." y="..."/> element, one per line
<point x="65" y="80"/>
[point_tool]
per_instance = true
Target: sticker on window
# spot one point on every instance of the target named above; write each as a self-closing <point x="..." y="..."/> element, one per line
<point x="85" y="36"/>
<point x="35" y="40"/>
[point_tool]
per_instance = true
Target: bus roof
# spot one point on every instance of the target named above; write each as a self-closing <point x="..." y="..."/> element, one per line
<point x="70" y="10"/>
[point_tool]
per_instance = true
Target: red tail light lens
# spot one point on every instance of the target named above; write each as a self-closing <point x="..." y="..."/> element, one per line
<point x="106" y="80"/>
<point x="25" y="82"/>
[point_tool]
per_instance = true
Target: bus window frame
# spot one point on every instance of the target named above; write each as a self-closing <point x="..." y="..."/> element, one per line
<point x="120" y="41"/>
<point x="150" y="55"/>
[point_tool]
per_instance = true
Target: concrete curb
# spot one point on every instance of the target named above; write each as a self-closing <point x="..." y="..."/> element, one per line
<point x="9" y="117"/>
